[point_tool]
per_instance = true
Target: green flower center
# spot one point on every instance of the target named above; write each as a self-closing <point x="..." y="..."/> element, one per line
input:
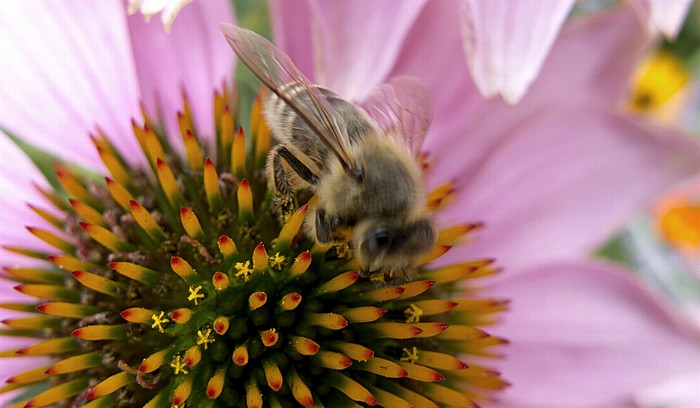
<point x="177" y="287"/>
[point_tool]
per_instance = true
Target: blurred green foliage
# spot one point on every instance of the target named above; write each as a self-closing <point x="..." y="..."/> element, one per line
<point x="40" y="158"/>
<point x="686" y="46"/>
<point x="253" y="15"/>
<point x="615" y="250"/>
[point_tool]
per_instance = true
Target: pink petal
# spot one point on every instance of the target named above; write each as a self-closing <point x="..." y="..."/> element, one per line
<point x="587" y="335"/>
<point x="9" y="295"/>
<point x="564" y="182"/>
<point x="507" y="41"/>
<point x="12" y="366"/>
<point x="151" y="7"/>
<point x="169" y="9"/>
<point x="18" y="175"/>
<point x="432" y="54"/>
<point x="192" y="57"/>
<point x="613" y="44"/>
<point x="666" y="16"/>
<point x="68" y="68"/>
<point x="355" y="43"/>
<point x="462" y="118"/>
<point x="291" y="29"/>
<point x="680" y="391"/>
<point x="18" y="178"/>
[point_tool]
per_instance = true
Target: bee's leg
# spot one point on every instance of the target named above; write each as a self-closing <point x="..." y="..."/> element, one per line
<point x="389" y="277"/>
<point x="284" y="201"/>
<point x="326" y="226"/>
<point x="299" y="168"/>
<point x="323" y="227"/>
<point x="282" y="185"/>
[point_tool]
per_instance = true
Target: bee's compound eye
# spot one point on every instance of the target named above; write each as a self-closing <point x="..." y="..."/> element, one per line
<point x="379" y="240"/>
<point x="357" y="174"/>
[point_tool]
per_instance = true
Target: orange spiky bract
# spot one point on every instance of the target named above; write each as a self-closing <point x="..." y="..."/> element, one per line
<point x="177" y="285"/>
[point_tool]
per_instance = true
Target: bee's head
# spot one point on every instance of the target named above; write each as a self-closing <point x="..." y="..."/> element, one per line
<point x="382" y="246"/>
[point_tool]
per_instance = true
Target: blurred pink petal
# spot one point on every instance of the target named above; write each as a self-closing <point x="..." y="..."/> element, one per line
<point x="613" y="43"/>
<point x="62" y="78"/>
<point x="507" y="41"/>
<point x="666" y="16"/>
<point x="18" y="176"/>
<point x="169" y="9"/>
<point x="678" y="392"/>
<point x="192" y="57"/>
<point x="355" y="43"/>
<point x="13" y="366"/>
<point x="572" y="187"/>
<point x="17" y="366"/>
<point x="291" y="27"/>
<point x="430" y="51"/>
<point x="469" y="134"/>
<point x="9" y="295"/>
<point x="454" y="96"/>
<point x="357" y="46"/>
<point x="587" y="335"/>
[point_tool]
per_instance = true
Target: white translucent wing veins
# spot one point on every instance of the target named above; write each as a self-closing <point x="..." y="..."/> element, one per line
<point x="402" y="109"/>
<point x="277" y="71"/>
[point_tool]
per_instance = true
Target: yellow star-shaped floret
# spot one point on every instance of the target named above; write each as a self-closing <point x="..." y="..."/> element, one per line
<point x="413" y="313"/>
<point x="178" y="365"/>
<point x="204" y="338"/>
<point x="410" y="355"/>
<point x="244" y="270"/>
<point x="195" y="295"/>
<point x="277" y="261"/>
<point x="159" y="321"/>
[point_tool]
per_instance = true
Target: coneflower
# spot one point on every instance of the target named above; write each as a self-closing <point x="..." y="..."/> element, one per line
<point x="69" y="66"/>
<point x="176" y="286"/>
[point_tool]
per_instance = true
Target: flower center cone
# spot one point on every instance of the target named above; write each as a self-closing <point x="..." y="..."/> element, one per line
<point x="175" y="285"/>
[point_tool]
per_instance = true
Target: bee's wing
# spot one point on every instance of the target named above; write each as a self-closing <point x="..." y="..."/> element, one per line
<point x="276" y="70"/>
<point x="403" y="109"/>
